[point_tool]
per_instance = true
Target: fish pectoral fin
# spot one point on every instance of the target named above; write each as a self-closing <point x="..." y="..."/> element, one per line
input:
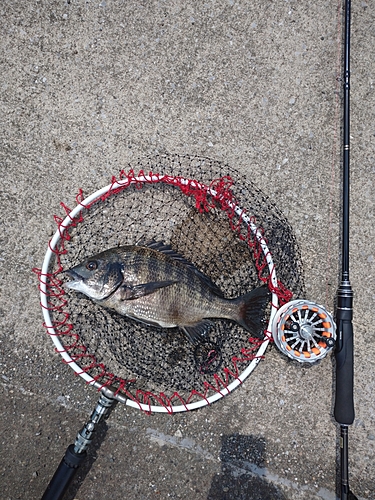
<point x="197" y="331"/>
<point x="136" y="291"/>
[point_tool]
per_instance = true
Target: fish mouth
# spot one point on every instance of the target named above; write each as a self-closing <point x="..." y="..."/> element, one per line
<point x="76" y="281"/>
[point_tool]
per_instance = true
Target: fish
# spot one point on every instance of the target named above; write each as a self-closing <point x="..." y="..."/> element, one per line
<point x="155" y="285"/>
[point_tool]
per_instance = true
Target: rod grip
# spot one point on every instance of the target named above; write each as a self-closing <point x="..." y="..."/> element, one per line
<point x="344" y="403"/>
<point x="64" y="474"/>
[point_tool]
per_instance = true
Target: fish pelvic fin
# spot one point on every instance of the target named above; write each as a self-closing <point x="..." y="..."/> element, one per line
<point x="251" y="307"/>
<point x="197" y="332"/>
<point x="137" y="291"/>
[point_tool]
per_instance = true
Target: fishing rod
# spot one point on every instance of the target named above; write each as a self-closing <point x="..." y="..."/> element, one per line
<point x="344" y="404"/>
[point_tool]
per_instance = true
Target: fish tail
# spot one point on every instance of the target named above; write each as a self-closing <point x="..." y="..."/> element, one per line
<point x="251" y="310"/>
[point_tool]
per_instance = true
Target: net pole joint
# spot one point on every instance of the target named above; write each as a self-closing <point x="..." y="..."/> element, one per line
<point x="85" y="435"/>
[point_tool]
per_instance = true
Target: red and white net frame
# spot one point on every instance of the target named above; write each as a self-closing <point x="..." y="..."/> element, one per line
<point x="52" y="293"/>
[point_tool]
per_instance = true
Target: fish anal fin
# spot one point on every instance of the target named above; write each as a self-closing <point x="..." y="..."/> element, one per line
<point x="197" y="331"/>
<point x="136" y="291"/>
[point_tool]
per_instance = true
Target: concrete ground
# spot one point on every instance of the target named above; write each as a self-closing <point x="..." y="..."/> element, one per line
<point x="89" y="86"/>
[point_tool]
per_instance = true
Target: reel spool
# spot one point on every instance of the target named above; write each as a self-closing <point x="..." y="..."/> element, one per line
<point x="304" y="331"/>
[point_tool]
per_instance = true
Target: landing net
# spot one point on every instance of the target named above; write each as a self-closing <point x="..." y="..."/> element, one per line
<point x="215" y="219"/>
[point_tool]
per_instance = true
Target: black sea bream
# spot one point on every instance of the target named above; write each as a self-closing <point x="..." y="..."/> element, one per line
<point x="155" y="285"/>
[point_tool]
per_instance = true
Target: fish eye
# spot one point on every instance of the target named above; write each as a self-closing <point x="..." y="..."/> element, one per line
<point x="92" y="265"/>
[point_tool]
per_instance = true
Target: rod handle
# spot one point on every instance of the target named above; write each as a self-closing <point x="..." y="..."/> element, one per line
<point x="344" y="403"/>
<point x="64" y="474"/>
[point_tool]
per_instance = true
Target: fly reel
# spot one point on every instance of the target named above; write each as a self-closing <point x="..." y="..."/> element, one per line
<point x="304" y="331"/>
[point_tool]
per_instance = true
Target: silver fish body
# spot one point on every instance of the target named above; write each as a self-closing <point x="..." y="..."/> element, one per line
<point x="155" y="285"/>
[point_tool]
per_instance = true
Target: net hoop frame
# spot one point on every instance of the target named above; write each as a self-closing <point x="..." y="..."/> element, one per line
<point x="119" y="185"/>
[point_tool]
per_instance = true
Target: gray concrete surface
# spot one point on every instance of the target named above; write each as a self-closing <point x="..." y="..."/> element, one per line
<point x="88" y="86"/>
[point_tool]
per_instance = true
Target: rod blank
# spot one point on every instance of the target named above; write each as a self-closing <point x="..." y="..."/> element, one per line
<point x="344" y="401"/>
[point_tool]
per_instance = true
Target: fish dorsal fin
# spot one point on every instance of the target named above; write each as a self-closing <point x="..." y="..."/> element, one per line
<point x="168" y="250"/>
<point x="160" y="246"/>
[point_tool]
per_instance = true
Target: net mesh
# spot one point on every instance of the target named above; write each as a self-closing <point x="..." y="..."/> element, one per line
<point x="153" y="365"/>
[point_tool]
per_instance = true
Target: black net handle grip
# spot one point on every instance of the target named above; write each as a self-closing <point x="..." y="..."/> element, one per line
<point x="64" y="474"/>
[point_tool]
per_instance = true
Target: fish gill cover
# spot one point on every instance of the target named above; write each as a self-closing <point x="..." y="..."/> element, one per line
<point x="185" y="202"/>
